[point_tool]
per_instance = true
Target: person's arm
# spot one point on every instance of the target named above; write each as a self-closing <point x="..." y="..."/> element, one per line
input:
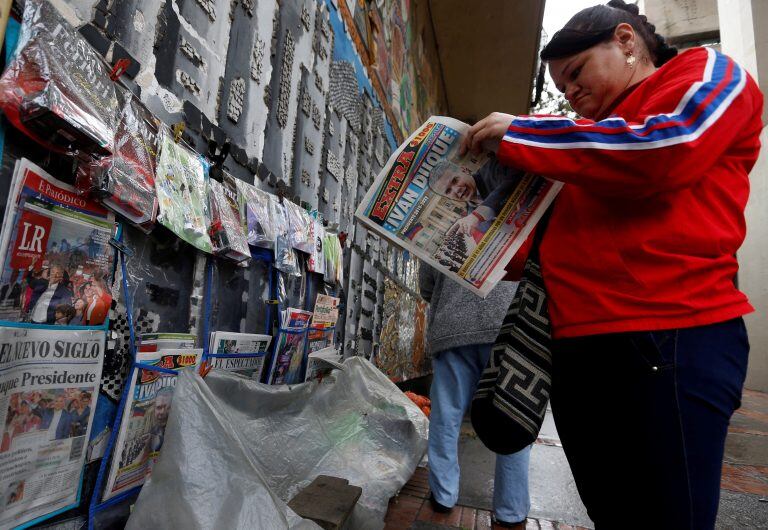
<point x="426" y="281"/>
<point x="703" y="104"/>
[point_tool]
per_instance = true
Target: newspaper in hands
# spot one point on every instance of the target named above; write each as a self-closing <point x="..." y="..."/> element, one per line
<point x="464" y="216"/>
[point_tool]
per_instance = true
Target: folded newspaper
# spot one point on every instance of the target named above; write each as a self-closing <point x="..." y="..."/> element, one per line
<point x="322" y="362"/>
<point x="466" y="216"/>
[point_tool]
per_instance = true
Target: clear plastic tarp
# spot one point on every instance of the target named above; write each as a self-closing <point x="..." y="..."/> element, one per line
<point x="243" y="449"/>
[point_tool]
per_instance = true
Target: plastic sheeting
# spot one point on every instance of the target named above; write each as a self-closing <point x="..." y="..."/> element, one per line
<point x="242" y="449"/>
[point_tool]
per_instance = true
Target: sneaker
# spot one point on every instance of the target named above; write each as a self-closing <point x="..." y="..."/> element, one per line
<point x="437" y="507"/>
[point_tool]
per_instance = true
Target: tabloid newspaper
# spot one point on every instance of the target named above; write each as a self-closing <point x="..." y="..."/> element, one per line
<point x="240" y="348"/>
<point x="49" y="382"/>
<point x="324" y="318"/>
<point x="142" y="428"/>
<point x="289" y="350"/>
<point x="55" y="252"/>
<point x="464" y="216"/>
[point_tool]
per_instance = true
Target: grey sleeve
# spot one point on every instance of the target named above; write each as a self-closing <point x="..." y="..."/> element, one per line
<point x="426" y="281"/>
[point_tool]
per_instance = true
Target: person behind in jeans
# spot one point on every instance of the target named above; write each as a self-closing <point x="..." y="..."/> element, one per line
<point x="460" y="333"/>
<point x="639" y="258"/>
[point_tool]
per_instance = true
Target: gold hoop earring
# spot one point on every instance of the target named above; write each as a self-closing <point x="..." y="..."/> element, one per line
<point x="631" y="60"/>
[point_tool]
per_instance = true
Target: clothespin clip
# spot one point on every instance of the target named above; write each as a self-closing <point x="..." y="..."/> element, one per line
<point x="119" y="69"/>
<point x="343" y="238"/>
<point x="272" y="302"/>
<point x="178" y="130"/>
<point x="217" y="154"/>
<point x="280" y="192"/>
<point x="205" y="367"/>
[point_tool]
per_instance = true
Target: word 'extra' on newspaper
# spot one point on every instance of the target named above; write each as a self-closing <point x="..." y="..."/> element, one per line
<point x="49" y="382"/>
<point x="466" y="216"/>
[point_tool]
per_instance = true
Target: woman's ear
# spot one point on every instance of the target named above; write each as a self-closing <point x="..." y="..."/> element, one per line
<point x="625" y="36"/>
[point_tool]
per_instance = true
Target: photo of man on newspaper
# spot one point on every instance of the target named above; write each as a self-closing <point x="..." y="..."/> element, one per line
<point x="466" y="216"/>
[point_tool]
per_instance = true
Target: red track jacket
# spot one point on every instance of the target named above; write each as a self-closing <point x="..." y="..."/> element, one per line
<point x="644" y="233"/>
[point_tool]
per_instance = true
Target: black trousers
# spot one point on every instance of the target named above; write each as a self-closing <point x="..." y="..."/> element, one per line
<point x="643" y="419"/>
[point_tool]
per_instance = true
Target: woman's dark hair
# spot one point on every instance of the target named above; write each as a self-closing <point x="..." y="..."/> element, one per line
<point x="597" y="24"/>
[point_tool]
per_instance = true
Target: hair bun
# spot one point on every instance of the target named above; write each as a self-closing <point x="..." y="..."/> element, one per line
<point x="629" y="8"/>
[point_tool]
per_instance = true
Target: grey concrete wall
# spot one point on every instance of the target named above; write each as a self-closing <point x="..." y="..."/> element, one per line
<point x="744" y="34"/>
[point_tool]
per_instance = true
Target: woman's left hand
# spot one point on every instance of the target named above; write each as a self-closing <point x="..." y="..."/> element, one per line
<point x="486" y="134"/>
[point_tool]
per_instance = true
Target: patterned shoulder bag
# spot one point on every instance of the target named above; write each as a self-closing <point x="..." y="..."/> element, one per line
<point x="510" y="402"/>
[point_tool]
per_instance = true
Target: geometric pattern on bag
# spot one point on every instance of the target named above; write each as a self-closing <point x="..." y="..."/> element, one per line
<point x="513" y="391"/>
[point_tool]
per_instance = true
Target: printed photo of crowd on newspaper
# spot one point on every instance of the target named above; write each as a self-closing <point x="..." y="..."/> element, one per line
<point x="62" y="413"/>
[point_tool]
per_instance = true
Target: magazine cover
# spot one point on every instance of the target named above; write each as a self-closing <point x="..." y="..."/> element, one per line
<point x="181" y="188"/>
<point x="316" y="261"/>
<point x="142" y="428"/>
<point x="126" y="180"/>
<point x="256" y="214"/>
<point x="240" y="350"/>
<point x="464" y="216"/>
<point x="226" y="230"/>
<point x="289" y="350"/>
<point x="49" y="383"/>
<point x="55" y="251"/>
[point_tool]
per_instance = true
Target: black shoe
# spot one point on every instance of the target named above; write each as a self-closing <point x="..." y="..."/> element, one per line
<point x="507" y="524"/>
<point x="437" y="507"/>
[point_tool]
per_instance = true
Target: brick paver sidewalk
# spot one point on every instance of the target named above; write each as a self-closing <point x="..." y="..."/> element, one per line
<point x="412" y="509"/>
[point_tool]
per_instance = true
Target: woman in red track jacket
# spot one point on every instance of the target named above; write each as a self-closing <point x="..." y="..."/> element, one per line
<point x="639" y="261"/>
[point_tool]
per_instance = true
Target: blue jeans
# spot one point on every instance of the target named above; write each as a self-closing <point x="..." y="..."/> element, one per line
<point x="643" y="418"/>
<point x="456" y="374"/>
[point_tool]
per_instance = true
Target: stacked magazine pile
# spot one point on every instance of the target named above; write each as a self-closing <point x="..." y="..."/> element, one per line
<point x="243" y="353"/>
<point x="289" y="351"/>
<point x="55" y="251"/>
<point x="147" y="407"/>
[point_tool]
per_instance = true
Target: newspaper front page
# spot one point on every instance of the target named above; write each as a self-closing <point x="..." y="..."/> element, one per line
<point x="142" y="429"/>
<point x="464" y="216"/>
<point x="49" y="382"/>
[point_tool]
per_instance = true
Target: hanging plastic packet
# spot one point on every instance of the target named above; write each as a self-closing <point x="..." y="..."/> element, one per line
<point x="256" y="215"/>
<point x="298" y="227"/>
<point x="226" y="230"/>
<point x="316" y="262"/>
<point x="181" y="188"/>
<point x="333" y="258"/>
<point x="285" y="257"/>
<point x="125" y="181"/>
<point x="57" y="89"/>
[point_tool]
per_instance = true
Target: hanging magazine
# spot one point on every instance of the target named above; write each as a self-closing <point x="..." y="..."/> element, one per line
<point x="125" y="181"/>
<point x="182" y="192"/>
<point x="464" y="216"/>
<point x="256" y="212"/>
<point x="145" y="416"/>
<point x="245" y="352"/>
<point x="49" y="382"/>
<point x="57" y="89"/>
<point x="226" y="231"/>
<point x="55" y="251"/>
<point x="289" y="350"/>
<point x="316" y="261"/>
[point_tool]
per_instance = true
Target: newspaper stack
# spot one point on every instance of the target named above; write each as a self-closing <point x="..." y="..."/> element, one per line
<point x="55" y="251"/>
<point x="289" y="351"/>
<point x="466" y="216"/>
<point x="49" y="380"/>
<point x="324" y="319"/>
<point x="142" y="428"/>
<point x="244" y="352"/>
<point x="166" y="341"/>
